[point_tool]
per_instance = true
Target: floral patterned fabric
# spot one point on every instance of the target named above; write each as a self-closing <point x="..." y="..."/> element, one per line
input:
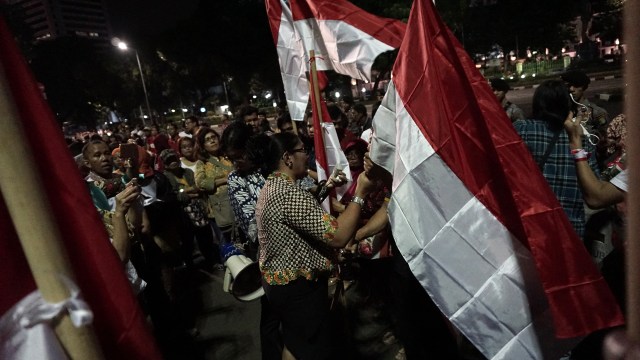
<point x="243" y="194"/>
<point x="293" y="231"/>
<point x="206" y="174"/>
<point x="617" y="135"/>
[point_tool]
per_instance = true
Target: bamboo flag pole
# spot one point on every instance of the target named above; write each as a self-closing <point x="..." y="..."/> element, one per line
<point x="632" y="109"/>
<point x="316" y="86"/>
<point x="41" y="241"/>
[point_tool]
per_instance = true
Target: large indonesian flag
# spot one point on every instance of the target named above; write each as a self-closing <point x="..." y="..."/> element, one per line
<point x="471" y="212"/>
<point x="346" y="39"/>
<point x="117" y="319"/>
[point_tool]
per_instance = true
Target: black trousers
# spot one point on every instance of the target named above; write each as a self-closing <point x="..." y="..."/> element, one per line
<point x="302" y="307"/>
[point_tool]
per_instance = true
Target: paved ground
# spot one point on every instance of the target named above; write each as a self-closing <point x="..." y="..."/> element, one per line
<point x="229" y="329"/>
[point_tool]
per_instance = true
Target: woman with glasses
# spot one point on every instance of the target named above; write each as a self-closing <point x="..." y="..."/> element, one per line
<point x="211" y="175"/>
<point x="298" y="240"/>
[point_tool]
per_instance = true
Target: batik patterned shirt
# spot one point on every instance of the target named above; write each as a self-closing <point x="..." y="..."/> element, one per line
<point x="293" y="231"/>
<point x="559" y="169"/>
<point x="243" y="194"/>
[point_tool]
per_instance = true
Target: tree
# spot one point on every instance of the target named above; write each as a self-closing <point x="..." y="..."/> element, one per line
<point x="77" y="86"/>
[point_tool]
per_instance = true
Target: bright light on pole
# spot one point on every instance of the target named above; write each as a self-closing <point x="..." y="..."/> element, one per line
<point x="124" y="47"/>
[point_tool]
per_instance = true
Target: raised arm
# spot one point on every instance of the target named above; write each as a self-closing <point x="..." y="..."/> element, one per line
<point x="597" y="193"/>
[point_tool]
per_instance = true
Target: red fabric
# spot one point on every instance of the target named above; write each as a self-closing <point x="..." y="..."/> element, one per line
<point x="458" y="114"/>
<point x="389" y="31"/>
<point x="274" y="13"/>
<point x="119" y="322"/>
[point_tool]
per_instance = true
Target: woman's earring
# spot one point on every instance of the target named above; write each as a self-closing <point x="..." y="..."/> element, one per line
<point x="290" y="164"/>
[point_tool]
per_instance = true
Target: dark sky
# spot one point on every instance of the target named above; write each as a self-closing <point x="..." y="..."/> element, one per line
<point x="141" y="18"/>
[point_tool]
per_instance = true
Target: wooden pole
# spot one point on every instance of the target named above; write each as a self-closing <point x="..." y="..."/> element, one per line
<point x="316" y="87"/>
<point x="632" y="109"/>
<point x="36" y="227"/>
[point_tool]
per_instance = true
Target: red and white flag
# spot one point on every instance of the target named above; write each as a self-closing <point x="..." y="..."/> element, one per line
<point x="118" y="321"/>
<point x="329" y="154"/>
<point x="345" y="38"/>
<point x="472" y="214"/>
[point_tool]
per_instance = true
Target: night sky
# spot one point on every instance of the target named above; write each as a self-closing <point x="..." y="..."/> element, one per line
<point x="142" y="18"/>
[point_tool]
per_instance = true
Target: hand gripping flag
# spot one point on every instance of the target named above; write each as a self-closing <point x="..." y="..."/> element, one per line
<point x="471" y="212"/>
<point x="118" y="321"/>
<point x="346" y="39"/>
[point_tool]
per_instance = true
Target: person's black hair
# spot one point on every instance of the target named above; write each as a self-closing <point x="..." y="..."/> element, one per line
<point x="551" y="103"/>
<point x="499" y="84"/>
<point x="235" y="136"/>
<point x="265" y="125"/>
<point x="256" y="152"/>
<point x="113" y="146"/>
<point x="85" y="148"/>
<point x="202" y="133"/>
<point x="246" y="110"/>
<point x="336" y="114"/>
<point x="95" y="137"/>
<point x="283" y="119"/>
<point x="359" y="108"/>
<point x="273" y="151"/>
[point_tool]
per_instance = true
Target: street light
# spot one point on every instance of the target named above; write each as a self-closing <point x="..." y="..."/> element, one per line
<point x="124" y="47"/>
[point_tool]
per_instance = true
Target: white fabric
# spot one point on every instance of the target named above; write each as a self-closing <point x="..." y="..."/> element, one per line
<point x="343" y="48"/>
<point x="335" y="158"/>
<point x="620" y="181"/>
<point x="149" y="192"/>
<point x="292" y="66"/>
<point x="481" y="277"/>
<point x="184" y="165"/>
<point x="25" y="333"/>
<point x="338" y="46"/>
<point x="366" y="135"/>
<point x="184" y="134"/>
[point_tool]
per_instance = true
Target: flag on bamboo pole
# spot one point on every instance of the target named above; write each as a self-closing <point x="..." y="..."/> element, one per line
<point x="346" y="39"/>
<point x="471" y="212"/>
<point x="118" y="320"/>
<point x="329" y="154"/>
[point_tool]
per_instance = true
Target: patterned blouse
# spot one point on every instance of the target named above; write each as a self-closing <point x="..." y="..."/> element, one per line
<point x="208" y="172"/>
<point x="293" y="231"/>
<point x="243" y="194"/>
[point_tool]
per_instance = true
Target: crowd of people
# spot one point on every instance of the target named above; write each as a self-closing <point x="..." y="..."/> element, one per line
<point x="172" y="198"/>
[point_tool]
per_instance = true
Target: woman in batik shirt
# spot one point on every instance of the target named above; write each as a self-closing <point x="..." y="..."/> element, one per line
<point x="297" y="241"/>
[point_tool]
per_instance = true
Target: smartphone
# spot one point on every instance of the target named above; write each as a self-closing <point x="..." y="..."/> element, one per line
<point x="129" y="152"/>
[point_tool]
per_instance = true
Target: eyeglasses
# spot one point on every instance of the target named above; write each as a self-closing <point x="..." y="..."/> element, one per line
<point x="301" y="150"/>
